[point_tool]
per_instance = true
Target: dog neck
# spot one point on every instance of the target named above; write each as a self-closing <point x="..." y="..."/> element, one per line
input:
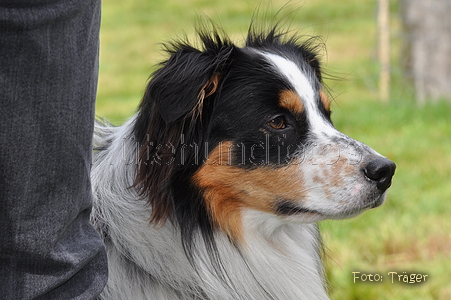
<point x="276" y="259"/>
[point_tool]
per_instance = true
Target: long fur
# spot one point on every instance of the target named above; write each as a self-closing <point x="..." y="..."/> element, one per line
<point x="182" y="218"/>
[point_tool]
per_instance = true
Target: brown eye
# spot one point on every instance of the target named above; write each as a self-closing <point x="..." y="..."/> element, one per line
<point x="277" y="123"/>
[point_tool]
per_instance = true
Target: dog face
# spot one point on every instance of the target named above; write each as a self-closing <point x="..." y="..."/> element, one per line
<point x="250" y="128"/>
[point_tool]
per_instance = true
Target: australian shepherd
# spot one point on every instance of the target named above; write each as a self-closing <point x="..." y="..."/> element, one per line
<point x="212" y="190"/>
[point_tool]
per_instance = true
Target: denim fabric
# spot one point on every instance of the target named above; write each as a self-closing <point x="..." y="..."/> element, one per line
<point x="48" y="79"/>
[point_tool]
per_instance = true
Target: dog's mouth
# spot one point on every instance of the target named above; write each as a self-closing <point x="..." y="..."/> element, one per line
<point x="287" y="208"/>
<point x="352" y="212"/>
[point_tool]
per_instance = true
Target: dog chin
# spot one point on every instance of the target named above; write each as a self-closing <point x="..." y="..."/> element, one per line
<point x="311" y="216"/>
<point x="350" y="213"/>
<point x="379" y="201"/>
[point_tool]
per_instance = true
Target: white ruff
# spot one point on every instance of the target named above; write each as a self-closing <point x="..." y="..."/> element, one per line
<point x="279" y="260"/>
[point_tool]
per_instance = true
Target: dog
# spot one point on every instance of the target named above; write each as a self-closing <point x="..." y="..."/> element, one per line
<point x="212" y="190"/>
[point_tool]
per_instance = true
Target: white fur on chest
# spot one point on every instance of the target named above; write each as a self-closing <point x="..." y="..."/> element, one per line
<point x="278" y="260"/>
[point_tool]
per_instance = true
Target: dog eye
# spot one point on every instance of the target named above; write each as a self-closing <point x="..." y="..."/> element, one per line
<point x="278" y="123"/>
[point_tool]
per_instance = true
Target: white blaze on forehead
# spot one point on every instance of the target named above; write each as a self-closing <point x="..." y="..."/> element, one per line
<point x="303" y="86"/>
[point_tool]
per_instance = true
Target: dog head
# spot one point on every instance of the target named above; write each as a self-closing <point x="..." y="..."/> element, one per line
<point x="224" y="129"/>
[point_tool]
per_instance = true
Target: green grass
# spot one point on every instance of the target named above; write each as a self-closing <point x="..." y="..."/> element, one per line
<point x="411" y="232"/>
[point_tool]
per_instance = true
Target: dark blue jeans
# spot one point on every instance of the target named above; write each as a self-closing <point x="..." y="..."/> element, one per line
<point x="48" y="79"/>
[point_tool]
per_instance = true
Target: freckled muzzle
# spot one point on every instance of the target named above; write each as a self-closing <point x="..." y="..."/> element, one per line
<point x="375" y="168"/>
<point x="343" y="177"/>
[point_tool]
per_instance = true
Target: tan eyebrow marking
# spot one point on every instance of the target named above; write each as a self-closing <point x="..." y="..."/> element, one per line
<point x="291" y="101"/>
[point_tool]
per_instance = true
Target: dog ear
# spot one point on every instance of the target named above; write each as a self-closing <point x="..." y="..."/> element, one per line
<point x="174" y="98"/>
<point x="185" y="81"/>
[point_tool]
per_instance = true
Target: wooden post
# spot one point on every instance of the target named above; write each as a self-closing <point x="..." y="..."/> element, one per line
<point x="384" y="49"/>
<point x="426" y="51"/>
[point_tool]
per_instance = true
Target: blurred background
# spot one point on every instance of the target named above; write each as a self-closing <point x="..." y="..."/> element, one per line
<point x="388" y="66"/>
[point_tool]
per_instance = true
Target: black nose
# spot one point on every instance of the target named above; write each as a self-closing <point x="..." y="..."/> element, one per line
<point x="380" y="170"/>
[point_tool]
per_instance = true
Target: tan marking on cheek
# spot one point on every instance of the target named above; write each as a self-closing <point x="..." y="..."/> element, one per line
<point x="325" y="100"/>
<point x="221" y="155"/>
<point x="228" y="189"/>
<point x="291" y="101"/>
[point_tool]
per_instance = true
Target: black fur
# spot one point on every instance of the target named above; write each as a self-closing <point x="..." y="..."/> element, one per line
<point x="202" y="97"/>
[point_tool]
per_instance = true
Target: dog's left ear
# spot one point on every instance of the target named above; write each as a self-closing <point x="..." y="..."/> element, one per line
<point x="174" y="97"/>
<point x="186" y="80"/>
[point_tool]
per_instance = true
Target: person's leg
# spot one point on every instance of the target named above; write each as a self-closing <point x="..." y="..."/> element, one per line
<point x="48" y="79"/>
